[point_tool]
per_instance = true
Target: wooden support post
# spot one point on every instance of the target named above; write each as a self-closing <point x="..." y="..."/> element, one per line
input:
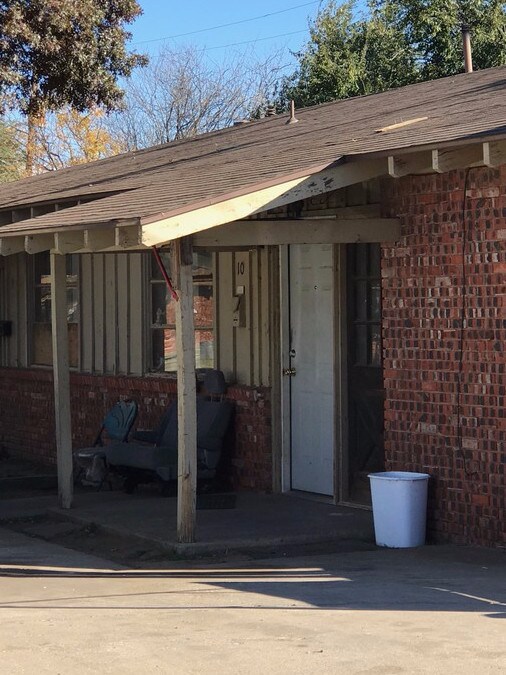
<point x="186" y="392"/>
<point x="61" y="377"/>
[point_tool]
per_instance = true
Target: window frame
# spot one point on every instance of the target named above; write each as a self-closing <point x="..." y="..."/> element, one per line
<point x="367" y="278"/>
<point x="32" y="302"/>
<point x="151" y="326"/>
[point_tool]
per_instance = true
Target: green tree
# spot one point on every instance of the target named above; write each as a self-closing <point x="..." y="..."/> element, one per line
<point x="397" y="42"/>
<point x="348" y="57"/>
<point x="433" y="29"/>
<point x="11" y="156"/>
<point x="55" y="53"/>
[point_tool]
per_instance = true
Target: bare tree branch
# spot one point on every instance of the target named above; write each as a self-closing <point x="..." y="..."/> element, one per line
<point x="182" y="93"/>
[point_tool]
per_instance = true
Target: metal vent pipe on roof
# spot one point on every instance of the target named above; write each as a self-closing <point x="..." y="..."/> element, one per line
<point x="292" y="119"/>
<point x="466" y="44"/>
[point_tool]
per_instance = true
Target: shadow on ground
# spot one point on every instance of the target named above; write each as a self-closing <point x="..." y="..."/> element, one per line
<point x="430" y="579"/>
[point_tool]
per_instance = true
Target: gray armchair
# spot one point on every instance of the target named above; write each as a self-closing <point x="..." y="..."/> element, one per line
<point x="156" y="459"/>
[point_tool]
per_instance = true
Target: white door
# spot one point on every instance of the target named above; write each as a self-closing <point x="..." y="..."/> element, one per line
<point x="312" y="358"/>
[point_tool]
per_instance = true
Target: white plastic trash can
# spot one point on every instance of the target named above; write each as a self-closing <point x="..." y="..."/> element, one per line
<point x="399" y="507"/>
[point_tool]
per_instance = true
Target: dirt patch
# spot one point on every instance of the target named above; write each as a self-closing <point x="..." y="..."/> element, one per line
<point x="90" y="539"/>
<point x="134" y="553"/>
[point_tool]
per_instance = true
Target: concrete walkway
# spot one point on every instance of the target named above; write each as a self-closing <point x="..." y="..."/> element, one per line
<point x="258" y="522"/>
<point x="20" y="554"/>
<point x="436" y="610"/>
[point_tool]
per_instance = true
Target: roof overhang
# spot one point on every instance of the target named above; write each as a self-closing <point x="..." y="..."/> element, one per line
<point x="231" y="210"/>
<point x="143" y="232"/>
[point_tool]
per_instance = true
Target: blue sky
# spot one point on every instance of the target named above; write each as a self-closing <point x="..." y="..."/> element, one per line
<point x="167" y="19"/>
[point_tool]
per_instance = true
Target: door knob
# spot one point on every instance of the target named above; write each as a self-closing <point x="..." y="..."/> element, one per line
<point x="289" y="371"/>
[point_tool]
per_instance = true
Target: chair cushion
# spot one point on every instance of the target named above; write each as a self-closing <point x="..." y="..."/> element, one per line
<point x="145" y="435"/>
<point x="213" y="420"/>
<point x="167" y="432"/>
<point x="214" y="382"/>
<point x="140" y="456"/>
<point x="119" y="420"/>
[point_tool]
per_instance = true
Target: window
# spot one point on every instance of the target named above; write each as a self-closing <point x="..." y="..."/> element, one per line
<point x="163" y="329"/>
<point x="42" y="350"/>
<point x="364" y="306"/>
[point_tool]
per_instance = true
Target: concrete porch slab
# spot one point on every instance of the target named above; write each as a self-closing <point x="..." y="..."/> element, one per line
<point x="258" y="523"/>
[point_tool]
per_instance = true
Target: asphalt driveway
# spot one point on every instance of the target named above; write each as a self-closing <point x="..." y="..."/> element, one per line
<point x="431" y="610"/>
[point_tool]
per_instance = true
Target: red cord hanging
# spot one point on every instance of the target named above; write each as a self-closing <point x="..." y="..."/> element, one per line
<point x="164" y="274"/>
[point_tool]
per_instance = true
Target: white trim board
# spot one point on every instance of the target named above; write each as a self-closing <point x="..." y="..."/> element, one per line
<point x="333" y="178"/>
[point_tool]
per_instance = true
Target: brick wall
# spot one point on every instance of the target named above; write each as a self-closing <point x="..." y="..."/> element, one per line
<point x="27" y="417"/>
<point x="251" y="461"/>
<point x="422" y="300"/>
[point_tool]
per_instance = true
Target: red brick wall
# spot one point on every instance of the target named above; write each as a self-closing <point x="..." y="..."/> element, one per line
<point x="251" y="462"/>
<point x="27" y="417"/>
<point x="422" y="300"/>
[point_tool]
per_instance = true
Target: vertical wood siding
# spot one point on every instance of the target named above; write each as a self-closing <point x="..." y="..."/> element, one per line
<point x="243" y="352"/>
<point x="114" y="301"/>
<point x="112" y="316"/>
<point x="13" y="307"/>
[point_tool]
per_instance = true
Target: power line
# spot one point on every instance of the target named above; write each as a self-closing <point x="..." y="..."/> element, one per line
<point x="247" y="42"/>
<point x="226" y="25"/>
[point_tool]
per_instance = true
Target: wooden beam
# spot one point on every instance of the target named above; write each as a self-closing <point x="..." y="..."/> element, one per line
<point x="37" y="243"/>
<point x="61" y="377"/>
<point x="68" y="242"/>
<point x="304" y="231"/>
<point x="494" y="153"/>
<point x="412" y="163"/>
<point x="457" y="158"/>
<point x="182" y="260"/>
<point x="168" y="229"/>
<point x="99" y="240"/>
<point x="349" y="212"/>
<point x="12" y="245"/>
<point x="129" y="236"/>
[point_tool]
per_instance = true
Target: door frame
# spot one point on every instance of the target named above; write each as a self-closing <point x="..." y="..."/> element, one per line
<point x="284" y="291"/>
<point x="342" y="421"/>
<point x="345" y="488"/>
<point x="340" y="371"/>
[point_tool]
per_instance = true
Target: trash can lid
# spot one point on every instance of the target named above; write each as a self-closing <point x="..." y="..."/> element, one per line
<point x="399" y="475"/>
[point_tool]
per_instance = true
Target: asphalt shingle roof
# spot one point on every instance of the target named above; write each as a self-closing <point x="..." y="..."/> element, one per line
<point x="183" y="175"/>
